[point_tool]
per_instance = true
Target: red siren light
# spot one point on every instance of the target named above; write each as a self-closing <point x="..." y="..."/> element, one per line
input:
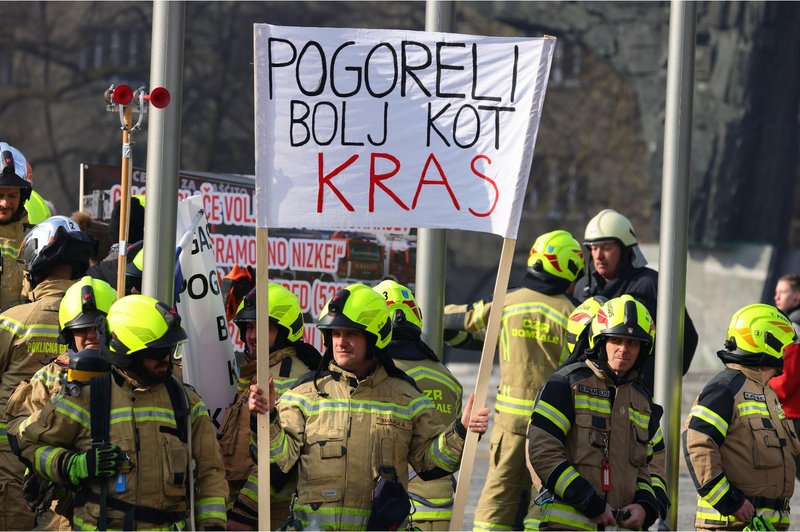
<point x="122" y="95"/>
<point x="158" y="97"/>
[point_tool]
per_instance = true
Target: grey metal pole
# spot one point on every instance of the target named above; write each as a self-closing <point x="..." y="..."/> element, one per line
<point x="432" y="243"/>
<point x="673" y="235"/>
<point x="163" y="151"/>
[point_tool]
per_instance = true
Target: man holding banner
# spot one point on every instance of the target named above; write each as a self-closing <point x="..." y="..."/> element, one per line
<point x="357" y="423"/>
<point x="289" y="359"/>
<point x="366" y="128"/>
<point x="532" y="345"/>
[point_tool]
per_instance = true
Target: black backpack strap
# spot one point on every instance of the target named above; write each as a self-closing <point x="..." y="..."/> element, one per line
<point x="100" y="416"/>
<point x="180" y="405"/>
<point x="286" y="367"/>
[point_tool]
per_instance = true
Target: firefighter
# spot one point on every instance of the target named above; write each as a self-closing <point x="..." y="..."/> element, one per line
<point x="357" y="423"/>
<point x="158" y="453"/>
<point x="579" y="343"/>
<point x="431" y="501"/>
<point x="737" y="442"/>
<point x="84" y="302"/>
<point x="532" y="346"/>
<point x="289" y="359"/>
<point x="617" y="267"/>
<point x="15" y="189"/>
<point x="53" y="255"/>
<point x="591" y="427"/>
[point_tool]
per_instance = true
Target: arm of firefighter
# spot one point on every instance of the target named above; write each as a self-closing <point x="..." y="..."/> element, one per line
<point x="287" y="429"/>
<point x="210" y="485"/>
<point x="787" y="384"/>
<point x="47" y="442"/>
<point x="657" y="463"/>
<point x="245" y="509"/>
<point x="465" y="325"/>
<point x="551" y="422"/>
<point x="706" y="429"/>
<point x="646" y="494"/>
<point x="20" y="406"/>
<point x="26" y="403"/>
<point x="435" y="449"/>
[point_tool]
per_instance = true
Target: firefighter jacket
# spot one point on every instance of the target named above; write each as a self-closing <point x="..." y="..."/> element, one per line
<point x="642" y="284"/>
<point x="285" y="367"/>
<point x="583" y="417"/>
<point x="11" y="276"/>
<point x="151" y="485"/>
<point x="344" y="432"/>
<point x="738" y="444"/>
<point x="28" y="400"/>
<point x="531" y="344"/>
<point x="28" y="341"/>
<point x="433" y="499"/>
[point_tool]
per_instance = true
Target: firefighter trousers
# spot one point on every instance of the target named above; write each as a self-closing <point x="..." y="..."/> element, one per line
<point x="506" y="496"/>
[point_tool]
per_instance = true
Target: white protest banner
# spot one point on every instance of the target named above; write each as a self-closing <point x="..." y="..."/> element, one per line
<point x="208" y="360"/>
<point x="364" y="128"/>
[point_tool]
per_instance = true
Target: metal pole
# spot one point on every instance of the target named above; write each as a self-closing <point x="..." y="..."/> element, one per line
<point x="673" y="235"/>
<point x="432" y="243"/>
<point x="163" y="151"/>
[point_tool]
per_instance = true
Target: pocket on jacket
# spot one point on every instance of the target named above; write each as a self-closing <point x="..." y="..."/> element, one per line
<point x="767" y="450"/>
<point x="390" y="445"/>
<point x="175" y="467"/>
<point x="588" y="431"/>
<point x="325" y="456"/>
<point x="639" y="446"/>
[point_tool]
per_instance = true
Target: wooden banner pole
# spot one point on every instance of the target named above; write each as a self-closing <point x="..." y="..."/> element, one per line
<point x="482" y="384"/>
<point x="262" y="372"/>
<point x="124" y="200"/>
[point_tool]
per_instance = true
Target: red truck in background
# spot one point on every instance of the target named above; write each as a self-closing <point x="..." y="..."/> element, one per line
<point x="364" y="256"/>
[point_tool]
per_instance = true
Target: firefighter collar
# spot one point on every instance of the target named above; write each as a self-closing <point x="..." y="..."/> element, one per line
<point x="754" y="373"/>
<point x="377" y="375"/>
<point x="605" y="374"/>
<point x="50" y="288"/>
<point x="277" y="356"/>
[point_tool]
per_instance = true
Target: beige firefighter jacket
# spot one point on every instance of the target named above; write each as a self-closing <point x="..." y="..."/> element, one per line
<point x="343" y="431"/>
<point x="26" y="403"/>
<point x="583" y="417"/>
<point x="143" y="425"/>
<point x="234" y="438"/>
<point x="531" y="344"/>
<point x="11" y="276"/>
<point x="28" y="341"/>
<point x="738" y="444"/>
<point x="433" y="499"/>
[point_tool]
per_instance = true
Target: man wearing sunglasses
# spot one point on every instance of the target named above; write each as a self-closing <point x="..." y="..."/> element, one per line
<point x="158" y="464"/>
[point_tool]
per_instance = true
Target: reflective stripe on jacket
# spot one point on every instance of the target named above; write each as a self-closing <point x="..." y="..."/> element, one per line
<point x="234" y="438"/>
<point x="342" y="435"/>
<point x="143" y="425"/>
<point x="738" y="443"/>
<point x="432" y="500"/>
<point x="531" y="345"/>
<point x="581" y="418"/>
<point x="11" y="237"/>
